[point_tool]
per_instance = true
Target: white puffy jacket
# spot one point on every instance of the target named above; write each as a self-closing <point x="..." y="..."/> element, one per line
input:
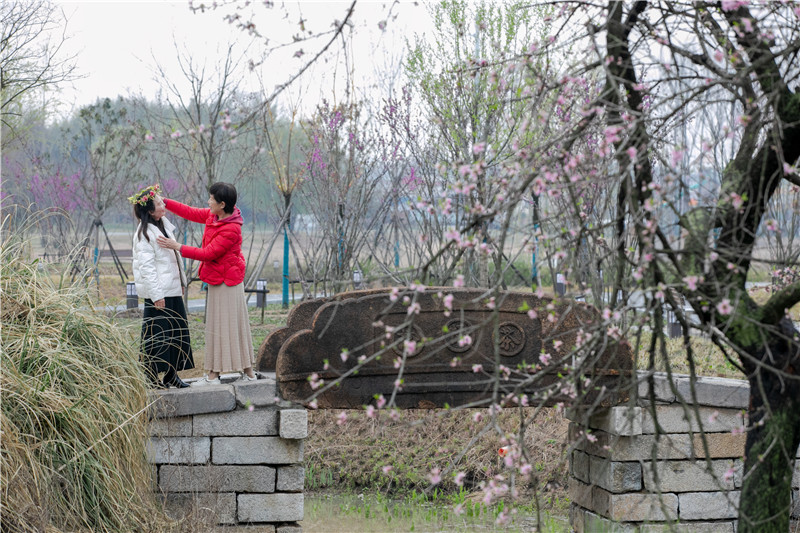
<point x="156" y="270"/>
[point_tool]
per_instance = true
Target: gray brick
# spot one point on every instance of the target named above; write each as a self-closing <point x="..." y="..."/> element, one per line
<point x="593" y="523"/>
<point x="690" y="527"/>
<point x="214" y="478"/>
<point x="206" y="508"/>
<point x="193" y="401"/>
<point x="179" y="450"/>
<point x="293" y="424"/>
<point x="290" y="479"/>
<point x="270" y="507"/>
<point x="615" y="476"/>
<point x="581" y="493"/>
<point x="673" y="419"/>
<point x="635" y="507"/>
<point x="170" y="427"/>
<point x="796" y="504"/>
<point x="688" y="476"/>
<point x="580" y="465"/>
<point x="709" y="505"/>
<point x="256" y="450"/>
<point x="616" y="448"/>
<point x="716" y="392"/>
<point x="242" y="422"/>
<point x="261" y="393"/>
<point x="796" y="476"/>
<point x="619" y="420"/>
<point x="661" y="387"/>
<point x="576" y="517"/>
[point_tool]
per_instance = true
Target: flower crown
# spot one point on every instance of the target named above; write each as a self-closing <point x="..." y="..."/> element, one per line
<point x="145" y="195"/>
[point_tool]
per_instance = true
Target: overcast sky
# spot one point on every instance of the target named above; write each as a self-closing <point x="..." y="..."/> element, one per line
<point x="118" y="43"/>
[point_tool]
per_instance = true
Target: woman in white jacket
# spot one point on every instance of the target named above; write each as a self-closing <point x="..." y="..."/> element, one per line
<point x="160" y="280"/>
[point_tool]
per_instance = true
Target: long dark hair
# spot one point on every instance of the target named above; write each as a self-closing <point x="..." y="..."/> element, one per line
<point x="143" y="213"/>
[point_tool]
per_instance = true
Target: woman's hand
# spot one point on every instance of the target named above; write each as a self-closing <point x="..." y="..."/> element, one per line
<point x="172" y="244"/>
<point x="159" y="303"/>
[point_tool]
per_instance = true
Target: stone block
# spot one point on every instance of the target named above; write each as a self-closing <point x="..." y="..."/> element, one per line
<point x="689" y="527"/>
<point x="796" y="476"/>
<point x="580" y="493"/>
<point x="242" y="422"/>
<point x="615" y="476"/>
<point x="290" y="479"/>
<point x="576" y="517"/>
<point x="619" y="420"/>
<point x="580" y="465"/>
<point x="293" y="424"/>
<point x="720" y="445"/>
<point x="714" y="391"/>
<point x="593" y="523"/>
<point x="170" y="427"/>
<point x="289" y="528"/>
<point x="193" y="401"/>
<point x="261" y="393"/>
<point x="661" y="387"/>
<point x="796" y="504"/>
<point x="679" y="418"/>
<point x="202" y="508"/>
<point x="217" y="478"/>
<point x="709" y="505"/>
<point x="635" y="448"/>
<point x="688" y="476"/>
<point x="635" y="507"/>
<point x="179" y="450"/>
<point x="270" y="507"/>
<point x="256" y="450"/>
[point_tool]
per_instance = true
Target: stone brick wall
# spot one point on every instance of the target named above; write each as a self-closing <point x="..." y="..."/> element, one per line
<point x="696" y="478"/>
<point x="230" y="454"/>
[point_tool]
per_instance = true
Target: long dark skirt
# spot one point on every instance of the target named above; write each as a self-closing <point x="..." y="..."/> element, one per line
<point x="165" y="337"/>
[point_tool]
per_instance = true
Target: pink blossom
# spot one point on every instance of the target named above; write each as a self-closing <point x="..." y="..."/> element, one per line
<point x="477" y="368"/>
<point x="477" y="416"/>
<point x="772" y="225"/>
<point x="380" y="402"/>
<point x="382" y="25"/>
<point x="532" y="314"/>
<point x="459" y="281"/>
<point x="787" y="168"/>
<point x="435" y="476"/>
<point x="491" y="303"/>
<point x="454" y="362"/>
<point x="691" y="282"/>
<point x="413" y="309"/>
<point x="313" y="404"/>
<point x="371" y="411"/>
<point x="591" y="438"/>
<point x="632" y="152"/>
<point x="725" y="307"/>
<point x="342" y="418"/>
<point x="478" y="148"/>
<point x="713" y="417"/>
<point x="733" y="5"/>
<point x="466" y="340"/>
<point x="409" y="347"/>
<point x="728" y="475"/>
<point x="394" y="294"/>
<point x="386" y="469"/>
<point x="448" y="302"/>
<point x="545" y="359"/>
<point x="344" y="355"/>
<point x="458" y="510"/>
<point x="459" y="478"/>
<point x="719" y="56"/>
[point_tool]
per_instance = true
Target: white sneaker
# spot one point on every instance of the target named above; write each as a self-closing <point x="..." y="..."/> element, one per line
<point x="245" y="377"/>
<point x="202" y="382"/>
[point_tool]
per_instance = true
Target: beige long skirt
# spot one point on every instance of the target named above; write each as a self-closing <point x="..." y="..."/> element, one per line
<point x="229" y="344"/>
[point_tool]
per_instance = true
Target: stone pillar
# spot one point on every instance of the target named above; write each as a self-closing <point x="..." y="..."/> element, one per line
<point x="696" y="478"/>
<point x="230" y="454"/>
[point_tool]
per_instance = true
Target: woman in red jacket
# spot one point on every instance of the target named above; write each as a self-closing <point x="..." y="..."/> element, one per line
<point x="229" y="345"/>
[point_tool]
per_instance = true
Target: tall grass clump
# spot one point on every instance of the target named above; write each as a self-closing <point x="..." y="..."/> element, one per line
<point x="73" y="410"/>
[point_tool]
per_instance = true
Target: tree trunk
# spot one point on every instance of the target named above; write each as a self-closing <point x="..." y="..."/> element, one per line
<point x="772" y="443"/>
